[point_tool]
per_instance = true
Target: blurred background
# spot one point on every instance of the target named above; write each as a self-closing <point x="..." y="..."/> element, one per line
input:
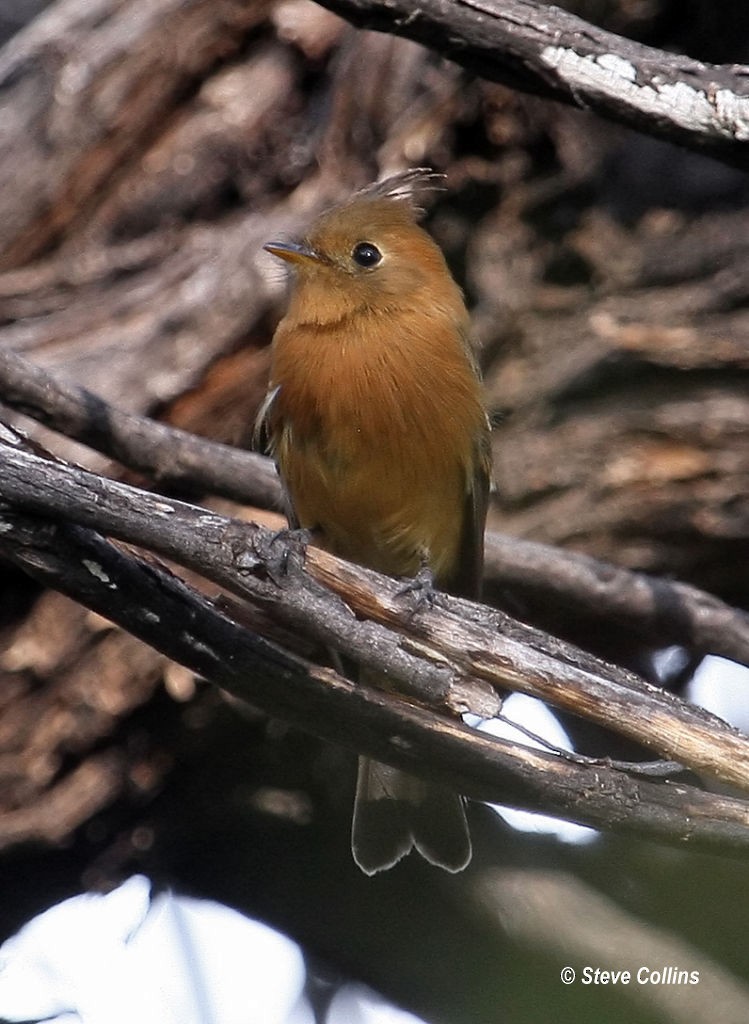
<point x="147" y="150"/>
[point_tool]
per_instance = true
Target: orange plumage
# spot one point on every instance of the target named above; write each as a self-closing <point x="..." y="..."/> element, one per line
<point x="378" y="427"/>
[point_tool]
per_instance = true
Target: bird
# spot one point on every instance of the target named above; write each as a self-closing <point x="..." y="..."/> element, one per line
<point x="376" y="420"/>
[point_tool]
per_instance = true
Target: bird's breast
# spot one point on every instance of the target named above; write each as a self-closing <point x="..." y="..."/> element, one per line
<point x="375" y="435"/>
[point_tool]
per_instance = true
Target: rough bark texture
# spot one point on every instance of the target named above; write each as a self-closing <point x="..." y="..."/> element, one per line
<point x="527" y="45"/>
<point x="150" y="147"/>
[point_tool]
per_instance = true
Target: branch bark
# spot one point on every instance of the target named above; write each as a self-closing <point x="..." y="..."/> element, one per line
<point x="542" y="49"/>
<point x="660" y="610"/>
<point x="459" y="656"/>
<point x="161" y="610"/>
<point x="172" y="457"/>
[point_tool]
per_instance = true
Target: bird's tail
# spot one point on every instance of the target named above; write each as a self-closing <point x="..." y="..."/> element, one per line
<point x="395" y="812"/>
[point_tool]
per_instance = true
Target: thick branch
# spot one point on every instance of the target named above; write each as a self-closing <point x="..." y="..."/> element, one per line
<point x="542" y="49"/>
<point x="477" y="651"/>
<point x="171" y="456"/>
<point x="662" y="611"/>
<point x="161" y="610"/>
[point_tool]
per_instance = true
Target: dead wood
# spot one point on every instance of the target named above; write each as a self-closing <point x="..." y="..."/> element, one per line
<point x="154" y="145"/>
<point x="456" y="656"/>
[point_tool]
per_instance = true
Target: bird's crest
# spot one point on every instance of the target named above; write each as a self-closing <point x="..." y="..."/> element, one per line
<point x="407" y="187"/>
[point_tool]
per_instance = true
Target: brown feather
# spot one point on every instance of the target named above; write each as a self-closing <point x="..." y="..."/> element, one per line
<point x="378" y="427"/>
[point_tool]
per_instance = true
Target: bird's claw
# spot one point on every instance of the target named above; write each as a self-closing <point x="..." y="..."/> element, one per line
<point x="423" y="589"/>
<point x="283" y="552"/>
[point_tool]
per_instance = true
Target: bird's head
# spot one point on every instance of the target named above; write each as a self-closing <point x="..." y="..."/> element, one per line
<point x="369" y="254"/>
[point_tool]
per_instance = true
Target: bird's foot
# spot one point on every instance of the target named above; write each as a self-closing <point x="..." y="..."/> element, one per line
<point x="283" y="552"/>
<point x="422" y="587"/>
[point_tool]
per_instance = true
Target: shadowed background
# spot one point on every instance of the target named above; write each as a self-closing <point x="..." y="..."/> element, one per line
<point x="149" y="149"/>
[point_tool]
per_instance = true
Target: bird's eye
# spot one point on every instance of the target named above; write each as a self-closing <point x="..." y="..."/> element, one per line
<point x="366" y="254"/>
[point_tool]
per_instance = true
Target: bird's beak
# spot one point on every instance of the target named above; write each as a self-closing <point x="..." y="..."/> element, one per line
<point x="292" y="252"/>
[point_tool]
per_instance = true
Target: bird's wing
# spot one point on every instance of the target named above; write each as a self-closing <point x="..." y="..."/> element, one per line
<point x="467" y="581"/>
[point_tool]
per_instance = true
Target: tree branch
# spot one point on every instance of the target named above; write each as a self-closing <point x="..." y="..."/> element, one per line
<point x="163" y="611"/>
<point x="661" y="611"/>
<point x="172" y="457"/>
<point x="539" y="48"/>
<point x="458" y="656"/>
